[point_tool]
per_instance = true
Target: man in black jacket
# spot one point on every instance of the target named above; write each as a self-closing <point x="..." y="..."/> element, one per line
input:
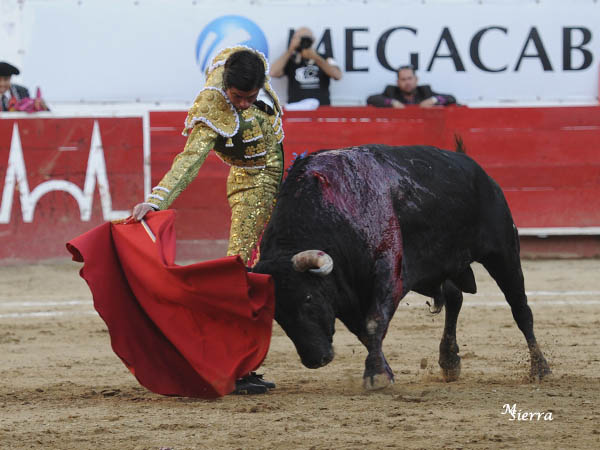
<point x="8" y="90"/>
<point x="407" y="92"/>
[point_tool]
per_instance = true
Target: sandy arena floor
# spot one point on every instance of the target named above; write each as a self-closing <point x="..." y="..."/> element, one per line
<point x="61" y="386"/>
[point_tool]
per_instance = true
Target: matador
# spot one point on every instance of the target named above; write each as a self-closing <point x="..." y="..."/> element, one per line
<point x="246" y="135"/>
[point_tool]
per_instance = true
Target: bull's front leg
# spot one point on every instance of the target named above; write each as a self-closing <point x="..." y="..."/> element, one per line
<point x="378" y="373"/>
<point x="385" y="298"/>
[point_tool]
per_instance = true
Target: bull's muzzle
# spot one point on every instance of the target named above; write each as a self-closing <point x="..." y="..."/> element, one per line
<point x="321" y="361"/>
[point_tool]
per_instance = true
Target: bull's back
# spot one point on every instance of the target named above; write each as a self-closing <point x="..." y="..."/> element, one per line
<point x="428" y="187"/>
<point x="451" y="212"/>
<point x="425" y="183"/>
<point x="448" y="210"/>
<point x="445" y="209"/>
<point x="435" y="186"/>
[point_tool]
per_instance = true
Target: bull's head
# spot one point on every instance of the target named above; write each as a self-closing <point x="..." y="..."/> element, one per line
<point x="304" y="294"/>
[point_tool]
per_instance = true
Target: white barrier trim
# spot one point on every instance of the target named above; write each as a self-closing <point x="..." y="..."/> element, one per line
<point x="412" y="300"/>
<point x="559" y="231"/>
<point x="146" y="151"/>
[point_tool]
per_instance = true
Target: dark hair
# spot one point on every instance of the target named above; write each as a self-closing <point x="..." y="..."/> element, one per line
<point x="407" y="67"/>
<point x="244" y="70"/>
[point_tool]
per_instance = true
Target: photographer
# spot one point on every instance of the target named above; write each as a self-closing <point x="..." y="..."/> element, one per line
<point x="308" y="72"/>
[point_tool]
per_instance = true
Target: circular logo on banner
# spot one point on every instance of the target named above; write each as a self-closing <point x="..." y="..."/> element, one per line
<point x="228" y="31"/>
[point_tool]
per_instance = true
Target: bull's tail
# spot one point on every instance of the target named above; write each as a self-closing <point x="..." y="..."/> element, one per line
<point x="460" y="146"/>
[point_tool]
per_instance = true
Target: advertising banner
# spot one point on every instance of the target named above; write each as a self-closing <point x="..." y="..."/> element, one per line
<point x="156" y="51"/>
<point x="62" y="176"/>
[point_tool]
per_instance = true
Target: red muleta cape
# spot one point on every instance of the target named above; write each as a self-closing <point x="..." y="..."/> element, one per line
<point x="181" y="330"/>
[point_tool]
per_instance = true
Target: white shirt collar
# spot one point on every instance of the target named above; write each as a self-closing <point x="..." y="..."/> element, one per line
<point x="9" y="93"/>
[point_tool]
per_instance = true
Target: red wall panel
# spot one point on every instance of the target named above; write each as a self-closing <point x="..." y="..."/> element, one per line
<point x="202" y="209"/>
<point x="55" y="154"/>
<point x="547" y="160"/>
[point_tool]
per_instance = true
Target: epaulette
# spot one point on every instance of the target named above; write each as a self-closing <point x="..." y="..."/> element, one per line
<point x="212" y="107"/>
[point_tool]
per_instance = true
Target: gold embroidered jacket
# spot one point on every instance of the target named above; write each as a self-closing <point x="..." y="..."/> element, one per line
<point x="248" y="139"/>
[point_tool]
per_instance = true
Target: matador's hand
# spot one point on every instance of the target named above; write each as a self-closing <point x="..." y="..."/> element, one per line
<point x="140" y="210"/>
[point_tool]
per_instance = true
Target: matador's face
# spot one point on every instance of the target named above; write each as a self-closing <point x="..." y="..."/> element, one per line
<point x="242" y="99"/>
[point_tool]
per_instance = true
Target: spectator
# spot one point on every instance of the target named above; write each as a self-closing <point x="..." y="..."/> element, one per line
<point x="308" y="72"/>
<point x="9" y="91"/>
<point x="14" y="97"/>
<point x="407" y="92"/>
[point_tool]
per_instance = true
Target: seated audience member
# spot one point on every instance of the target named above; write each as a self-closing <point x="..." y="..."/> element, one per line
<point x="14" y="97"/>
<point x="407" y="92"/>
<point x="308" y="72"/>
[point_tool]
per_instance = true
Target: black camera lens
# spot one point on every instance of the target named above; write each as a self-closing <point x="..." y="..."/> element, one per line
<point x="305" y="42"/>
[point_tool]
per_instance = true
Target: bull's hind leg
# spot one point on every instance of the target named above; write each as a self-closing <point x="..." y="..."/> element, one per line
<point x="506" y="270"/>
<point x="449" y="360"/>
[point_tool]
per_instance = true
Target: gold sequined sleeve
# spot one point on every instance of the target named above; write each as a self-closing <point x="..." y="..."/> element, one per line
<point x="185" y="167"/>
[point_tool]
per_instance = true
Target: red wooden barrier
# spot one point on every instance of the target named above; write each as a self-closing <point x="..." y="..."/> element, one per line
<point x="61" y="177"/>
<point x="547" y="160"/>
<point x="202" y="210"/>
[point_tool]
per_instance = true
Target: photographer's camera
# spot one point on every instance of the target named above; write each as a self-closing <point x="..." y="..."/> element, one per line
<point x="305" y="42"/>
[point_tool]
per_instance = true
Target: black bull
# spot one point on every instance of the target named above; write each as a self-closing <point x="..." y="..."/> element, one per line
<point x="354" y="230"/>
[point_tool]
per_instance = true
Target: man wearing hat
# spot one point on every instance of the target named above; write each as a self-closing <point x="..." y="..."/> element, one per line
<point x="9" y="91"/>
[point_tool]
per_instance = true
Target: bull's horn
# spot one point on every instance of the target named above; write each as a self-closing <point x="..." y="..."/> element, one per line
<point x="316" y="261"/>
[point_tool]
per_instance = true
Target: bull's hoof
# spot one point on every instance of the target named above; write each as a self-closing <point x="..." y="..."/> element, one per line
<point x="377" y="381"/>
<point x="451" y="373"/>
<point x="450" y="363"/>
<point x="539" y="366"/>
<point x="435" y="308"/>
<point x="539" y="372"/>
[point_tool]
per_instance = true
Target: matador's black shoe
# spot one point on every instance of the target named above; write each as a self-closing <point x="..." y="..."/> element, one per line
<point x="244" y="386"/>
<point x="256" y="378"/>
